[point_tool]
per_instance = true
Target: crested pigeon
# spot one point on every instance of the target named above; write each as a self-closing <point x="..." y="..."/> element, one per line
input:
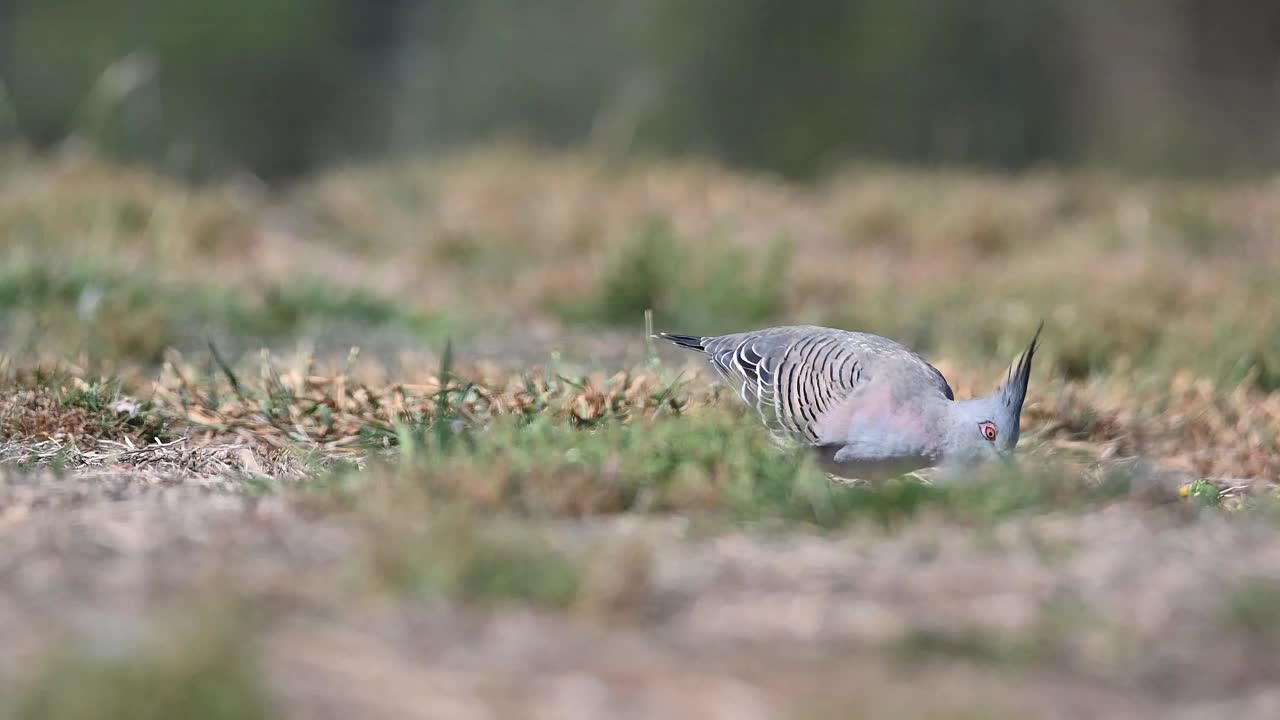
<point x="872" y="407"/>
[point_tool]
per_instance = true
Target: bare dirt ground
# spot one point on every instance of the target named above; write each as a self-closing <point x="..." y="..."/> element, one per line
<point x="1135" y="610"/>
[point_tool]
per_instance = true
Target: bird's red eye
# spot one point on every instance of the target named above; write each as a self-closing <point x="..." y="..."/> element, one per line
<point x="988" y="430"/>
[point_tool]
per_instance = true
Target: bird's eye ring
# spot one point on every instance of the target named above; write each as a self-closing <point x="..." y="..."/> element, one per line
<point x="988" y="430"/>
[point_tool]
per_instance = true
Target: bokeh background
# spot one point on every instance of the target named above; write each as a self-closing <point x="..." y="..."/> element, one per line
<point x="521" y="174"/>
<point x="287" y="87"/>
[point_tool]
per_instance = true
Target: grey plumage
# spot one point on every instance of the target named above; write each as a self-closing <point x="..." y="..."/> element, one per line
<point x="870" y="405"/>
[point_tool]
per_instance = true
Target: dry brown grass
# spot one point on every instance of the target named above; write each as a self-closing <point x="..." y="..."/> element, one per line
<point x="1187" y="426"/>
<point x="1152" y="275"/>
<point x="279" y="406"/>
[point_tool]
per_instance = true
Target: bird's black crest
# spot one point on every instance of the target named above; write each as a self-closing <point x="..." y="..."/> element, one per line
<point x="1014" y="390"/>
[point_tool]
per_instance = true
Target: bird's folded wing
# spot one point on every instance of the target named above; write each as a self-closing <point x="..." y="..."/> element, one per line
<point x="793" y="377"/>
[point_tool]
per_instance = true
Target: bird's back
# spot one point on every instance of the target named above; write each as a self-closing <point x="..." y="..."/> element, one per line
<point x="800" y="379"/>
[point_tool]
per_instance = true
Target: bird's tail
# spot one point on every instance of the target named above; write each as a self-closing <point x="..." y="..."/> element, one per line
<point x="685" y="341"/>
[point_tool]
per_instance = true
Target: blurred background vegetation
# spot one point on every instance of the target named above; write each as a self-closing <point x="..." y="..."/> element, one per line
<point x="285" y="87"/>
<point x="570" y="164"/>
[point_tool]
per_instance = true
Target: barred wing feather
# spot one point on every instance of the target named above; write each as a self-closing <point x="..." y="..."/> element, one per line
<point x="793" y="376"/>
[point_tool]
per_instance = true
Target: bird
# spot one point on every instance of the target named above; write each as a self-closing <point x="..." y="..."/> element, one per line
<point x="872" y="407"/>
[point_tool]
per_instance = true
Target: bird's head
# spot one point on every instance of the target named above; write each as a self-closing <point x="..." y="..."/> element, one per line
<point x="987" y="428"/>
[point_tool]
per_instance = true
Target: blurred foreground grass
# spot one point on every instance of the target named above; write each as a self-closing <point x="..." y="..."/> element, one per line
<point x="202" y="668"/>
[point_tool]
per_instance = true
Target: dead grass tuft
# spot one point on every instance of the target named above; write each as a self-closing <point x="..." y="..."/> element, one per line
<point x="56" y="406"/>
<point x="280" y="406"/>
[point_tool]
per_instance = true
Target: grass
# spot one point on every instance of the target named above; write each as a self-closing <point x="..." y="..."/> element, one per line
<point x="1253" y="608"/>
<point x="204" y="672"/>
<point x="507" y="237"/>
<point x="449" y="554"/>
<point x="540" y="444"/>
<point x="718" y="465"/>
<point x="117" y="317"/>
<point x="923" y="644"/>
<point x="1046" y="641"/>
<point x="708" y="285"/>
<point x="45" y="403"/>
